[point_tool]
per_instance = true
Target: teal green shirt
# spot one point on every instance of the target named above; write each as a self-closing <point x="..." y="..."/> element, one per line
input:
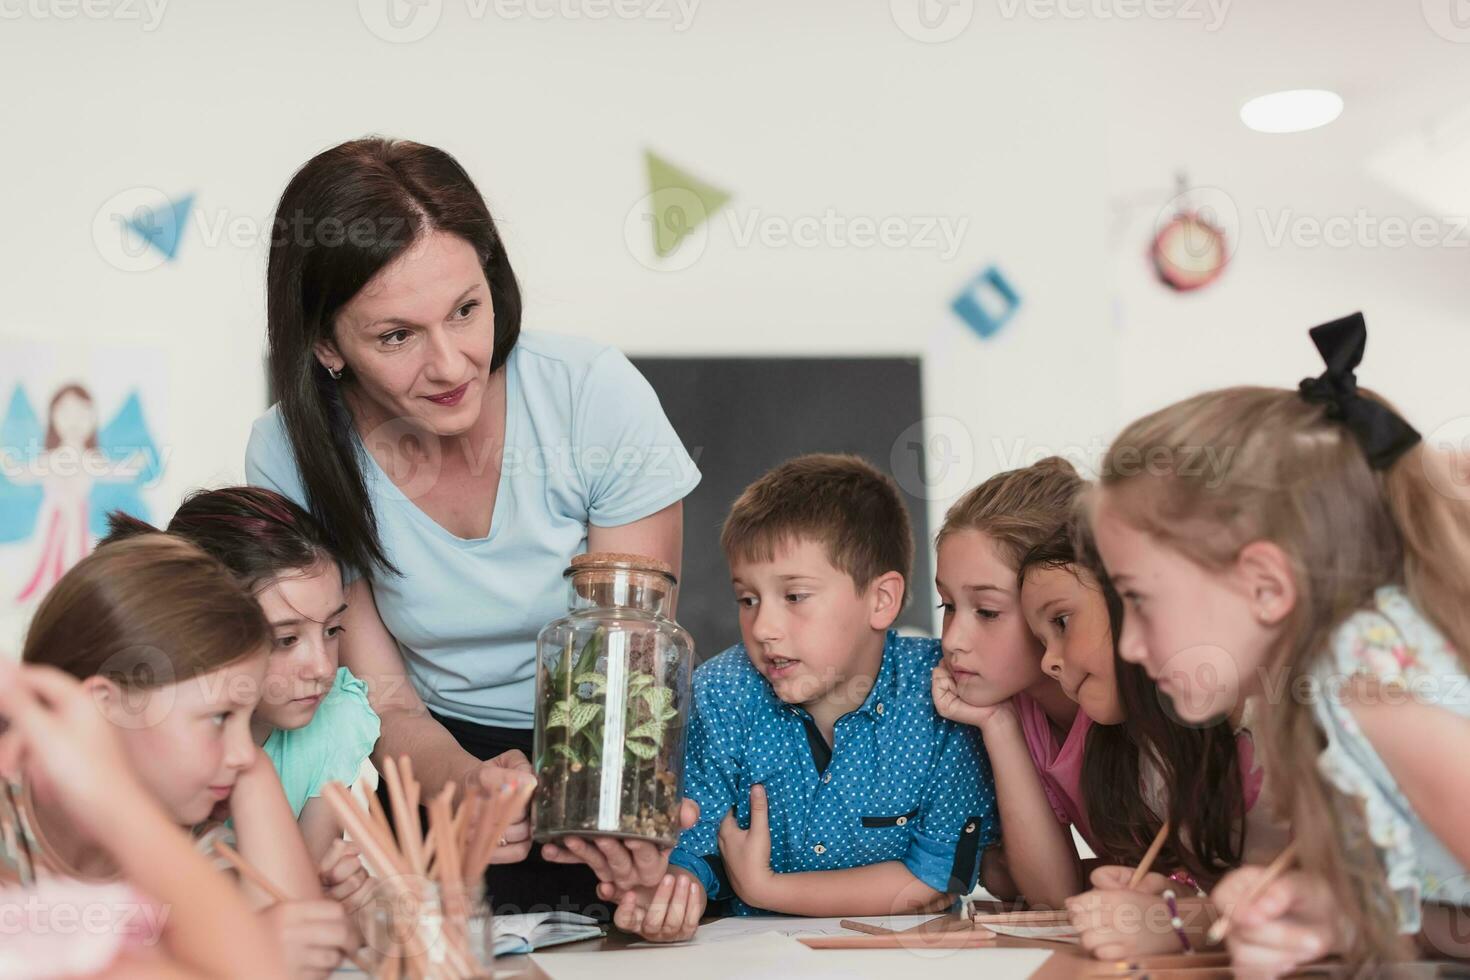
<point x="332" y="747"/>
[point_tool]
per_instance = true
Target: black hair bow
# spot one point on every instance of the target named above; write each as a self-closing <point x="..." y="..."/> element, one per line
<point x="1382" y="433"/>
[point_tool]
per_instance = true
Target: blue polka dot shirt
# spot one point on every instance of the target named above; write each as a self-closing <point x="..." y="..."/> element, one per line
<point x="899" y="783"/>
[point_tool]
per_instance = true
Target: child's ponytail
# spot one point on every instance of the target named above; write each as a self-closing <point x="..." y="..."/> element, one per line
<point x="121" y="525"/>
<point x="1431" y="507"/>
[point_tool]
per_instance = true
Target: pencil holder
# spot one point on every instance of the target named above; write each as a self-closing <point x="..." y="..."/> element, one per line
<point x="417" y="928"/>
<point x="612" y="687"/>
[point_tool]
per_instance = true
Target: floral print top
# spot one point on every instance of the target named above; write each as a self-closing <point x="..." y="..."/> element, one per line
<point x="1394" y="644"/>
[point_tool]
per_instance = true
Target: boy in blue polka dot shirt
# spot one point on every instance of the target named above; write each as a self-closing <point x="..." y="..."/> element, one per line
<point x="827" y="783"/>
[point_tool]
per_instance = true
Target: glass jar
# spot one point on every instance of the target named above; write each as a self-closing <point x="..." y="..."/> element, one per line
<point x="410" y="934"/>
<point x="612" y="692"/>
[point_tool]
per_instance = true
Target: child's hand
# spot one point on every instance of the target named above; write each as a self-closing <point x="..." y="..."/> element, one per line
<point x="1294" y="921"/>
<point x="949" y="704"/>
<point x="624" y="864"/>
<point x="343" y="876"/>
<point x="747" y="853"/>
<point x="667" y="913"/>
<point x="314" y="935"/>
<point x="1118" y="923"/>
<point x="1109" y="877"/>
<point x="58" y="733"/>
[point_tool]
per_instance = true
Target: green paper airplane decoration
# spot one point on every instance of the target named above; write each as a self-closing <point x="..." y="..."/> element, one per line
<point x="681" y="203"/>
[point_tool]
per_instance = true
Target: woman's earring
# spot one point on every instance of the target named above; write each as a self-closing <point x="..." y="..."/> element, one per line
<point x="336" y="373"/>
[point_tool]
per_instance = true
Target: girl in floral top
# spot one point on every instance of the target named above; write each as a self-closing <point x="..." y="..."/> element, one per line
<point x="1307" y="548"/>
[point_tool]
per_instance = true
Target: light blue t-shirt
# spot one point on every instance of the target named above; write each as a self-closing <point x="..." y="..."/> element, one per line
<point x="586" y="442"/>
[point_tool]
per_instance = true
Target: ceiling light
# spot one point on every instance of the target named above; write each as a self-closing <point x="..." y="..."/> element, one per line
<point x="1291" y="112"/>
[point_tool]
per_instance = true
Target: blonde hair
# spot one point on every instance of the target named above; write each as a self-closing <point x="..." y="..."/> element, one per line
<point x="1209" y="475"/>
<point x="1017" y="509"/>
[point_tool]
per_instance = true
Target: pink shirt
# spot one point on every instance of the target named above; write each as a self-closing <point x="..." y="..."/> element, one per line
<point x="62" y="928"/>
<point x="1059" y="764"/>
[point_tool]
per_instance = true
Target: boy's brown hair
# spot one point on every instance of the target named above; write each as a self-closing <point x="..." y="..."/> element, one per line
<point x="842" y="502"/>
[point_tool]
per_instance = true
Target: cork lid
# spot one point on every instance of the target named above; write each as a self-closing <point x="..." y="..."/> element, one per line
<point x="617" y="560"/>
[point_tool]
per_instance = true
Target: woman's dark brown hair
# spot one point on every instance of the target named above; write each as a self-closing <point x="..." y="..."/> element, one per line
<point x="345" y="215"/>
<point x="145" y="613"/>
<point x="1198" y="766"/>
<point x="256" y="533"/>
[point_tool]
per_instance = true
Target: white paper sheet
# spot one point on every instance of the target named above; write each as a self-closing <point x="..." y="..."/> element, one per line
<point x="1059" y="934"/>
<point x="758" y="957"/>
<point x="769" y="955"/>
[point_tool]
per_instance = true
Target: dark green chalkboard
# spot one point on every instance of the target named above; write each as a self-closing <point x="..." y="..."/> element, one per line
<point x="739" y="417"/>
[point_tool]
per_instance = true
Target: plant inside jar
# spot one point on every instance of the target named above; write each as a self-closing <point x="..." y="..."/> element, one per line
<point x="572" y="768"/>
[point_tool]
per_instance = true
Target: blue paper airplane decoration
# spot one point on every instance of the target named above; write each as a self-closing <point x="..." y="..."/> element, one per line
<point x="163" y="228"/>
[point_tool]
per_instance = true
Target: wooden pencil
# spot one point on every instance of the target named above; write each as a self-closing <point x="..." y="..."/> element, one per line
<point x="379" y="818"/>
<point x="411" y="792"/>
<point x="1169" y="961"/>
<point x="504" y="808"/>
<point x="486" y="817"/>
<point x="380" y="856"/>
<point x="402" y="821"/>
<point x="1140" y="872"/>
<point x="1274" y="870"/>
<point x="864" y="927"/>
<point x="254" y="875"/>
<point x="965" y="939"/>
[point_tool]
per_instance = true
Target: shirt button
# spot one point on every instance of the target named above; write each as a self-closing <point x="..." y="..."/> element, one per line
<point x="826" y="777"/>
<point x="880" y="707"/>
<point x="820" y="849"/>
<point x="902" y="821"/>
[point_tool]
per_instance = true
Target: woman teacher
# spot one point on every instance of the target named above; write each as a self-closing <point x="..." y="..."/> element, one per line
<point x="456" y="463"/>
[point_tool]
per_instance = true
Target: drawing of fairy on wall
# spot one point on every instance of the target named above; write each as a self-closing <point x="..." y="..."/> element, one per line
<point x="59" y="478"/>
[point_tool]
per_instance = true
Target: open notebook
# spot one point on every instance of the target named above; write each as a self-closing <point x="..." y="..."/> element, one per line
<point x="538" y="930"/>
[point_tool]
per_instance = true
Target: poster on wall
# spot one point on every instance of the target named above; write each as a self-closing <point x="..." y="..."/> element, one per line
<point x="79" y="438"/>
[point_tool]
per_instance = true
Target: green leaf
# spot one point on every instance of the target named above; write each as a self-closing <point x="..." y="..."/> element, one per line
<point x="639" y="681"/>
<point x="582" y="715"/>
<point x="567" y="751"/>
<point x="642" y="749"/>
<point x="590" y="652"/>
<point x="649" y="729"/>
<point x="669" y="714"/>
<point x="658" y="699"/>
<point x="598" y="681"/>
<point x="559" y="716"/>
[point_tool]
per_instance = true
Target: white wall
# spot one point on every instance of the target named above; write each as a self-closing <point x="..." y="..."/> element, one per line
<point x="1054" y="139"/>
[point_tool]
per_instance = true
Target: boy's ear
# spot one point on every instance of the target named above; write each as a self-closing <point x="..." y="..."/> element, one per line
<point x="886" y="594"/>
<point x="1266" y="572"/>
